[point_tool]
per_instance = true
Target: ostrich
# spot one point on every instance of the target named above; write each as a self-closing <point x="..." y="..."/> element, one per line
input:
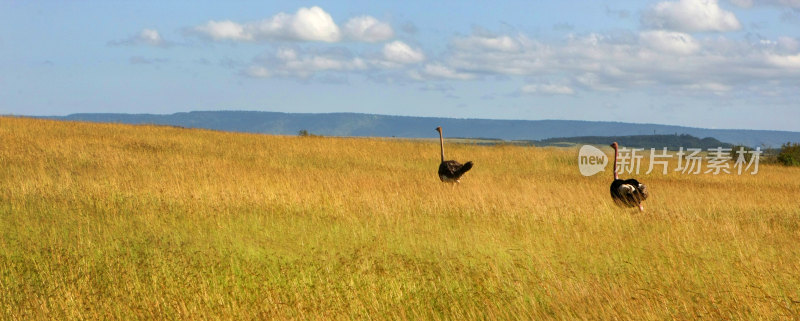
<point x="450" y="171"/>
<point x="629" y="192"/>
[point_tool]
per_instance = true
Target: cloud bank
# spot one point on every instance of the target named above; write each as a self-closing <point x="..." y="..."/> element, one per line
<point x="690" y="16"/>
<point x="306" y="25"/>
<point x="683" y="46"/>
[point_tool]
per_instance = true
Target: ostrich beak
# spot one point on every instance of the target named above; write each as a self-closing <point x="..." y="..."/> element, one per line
<point x="641" y="208"/>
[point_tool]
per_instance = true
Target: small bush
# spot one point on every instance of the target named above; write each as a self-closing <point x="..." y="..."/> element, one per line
<point x="790" y="154"/>
<point x="305" y="133"/>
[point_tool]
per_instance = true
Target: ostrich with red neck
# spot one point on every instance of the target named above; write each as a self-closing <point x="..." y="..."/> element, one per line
<point x="450" y="171"/>
<point x="629" y="192"/>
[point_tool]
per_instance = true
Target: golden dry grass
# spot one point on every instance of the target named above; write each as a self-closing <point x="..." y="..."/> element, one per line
<point x="104" y="221"/>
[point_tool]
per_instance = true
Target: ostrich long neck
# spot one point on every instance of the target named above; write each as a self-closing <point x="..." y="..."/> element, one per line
<point x="616" y="176"/>
<point x="441" y="143"/>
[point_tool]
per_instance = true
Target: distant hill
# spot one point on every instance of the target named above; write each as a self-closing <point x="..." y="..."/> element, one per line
<point x="672" y="142"/>
<point x="352" y="124"/>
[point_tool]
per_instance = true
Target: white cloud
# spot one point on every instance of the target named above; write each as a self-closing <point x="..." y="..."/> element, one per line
<point x="713" y="87"/>
<point x="289" y="62"/>
<point x="313" y="24"/>
<point x="224" y="30"/>
<point x="784" y="61"/>
<point x="151" y="37"/>
<point x="316" y="63"/>
<point x="444" y="72"/>
<point x="690" y="16"/>
<point x="781" y="46"/>
<point x="286" y="54"/>
<point x="401" y="53"/>
<point x="257" y="72"/>
<point x="307" y="24"/>
<point x="780" y="3"/>
<point x="669" y="41"/>
<point x="547" y="89"/>
<point x="595" y="82"/>
<point x="654" y="59"/>
<point x="788" y="44"/>
<point x="487" y="42"/>
<point x="367" y="29"/>
<point x="148" y="37"/>
<point x="302" y="62"/>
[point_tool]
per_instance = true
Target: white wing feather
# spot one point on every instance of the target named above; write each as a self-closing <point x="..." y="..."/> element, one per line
<point x="626" y="189"/>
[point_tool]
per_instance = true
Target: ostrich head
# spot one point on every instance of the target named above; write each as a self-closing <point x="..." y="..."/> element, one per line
<point x="614" y="145"/>
<point x="439" y="129"/>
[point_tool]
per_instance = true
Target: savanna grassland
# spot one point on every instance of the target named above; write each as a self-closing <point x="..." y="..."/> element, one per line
<point x="106" y="221"/>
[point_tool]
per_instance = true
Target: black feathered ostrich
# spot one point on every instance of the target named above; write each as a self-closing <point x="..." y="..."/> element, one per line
<point x="450" y="171"/>
<point x="629" y="192"/>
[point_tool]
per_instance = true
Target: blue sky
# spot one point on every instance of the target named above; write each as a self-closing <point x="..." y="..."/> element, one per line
<point x="702" y="63"/>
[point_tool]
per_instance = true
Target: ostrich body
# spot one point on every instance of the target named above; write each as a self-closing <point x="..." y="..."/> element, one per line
<point x="450" y="171"/>
<point x="629" y="192"/>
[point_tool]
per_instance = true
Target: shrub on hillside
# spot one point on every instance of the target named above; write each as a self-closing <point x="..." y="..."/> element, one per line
<point x="790" y="154"/>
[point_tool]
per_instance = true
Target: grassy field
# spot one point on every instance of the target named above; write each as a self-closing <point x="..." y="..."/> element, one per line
<point x="101" y="221"/>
